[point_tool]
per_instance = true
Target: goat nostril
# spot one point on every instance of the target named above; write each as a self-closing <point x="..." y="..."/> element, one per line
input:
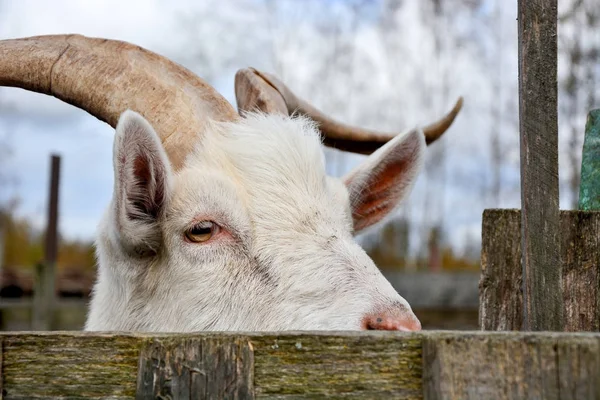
<point x="392" y="320"/>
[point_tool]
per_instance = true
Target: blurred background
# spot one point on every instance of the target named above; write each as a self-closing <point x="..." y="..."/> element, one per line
<point x="382" y="64"/>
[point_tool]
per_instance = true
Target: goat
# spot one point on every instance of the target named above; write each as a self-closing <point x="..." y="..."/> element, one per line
<point x="219" y="220"/>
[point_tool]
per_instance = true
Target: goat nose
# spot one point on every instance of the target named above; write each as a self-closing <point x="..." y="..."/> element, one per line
<point x="397" y="319"/>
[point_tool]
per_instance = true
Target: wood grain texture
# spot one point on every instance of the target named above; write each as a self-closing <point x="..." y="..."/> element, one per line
<point x="500" y="292"/>
<point x="580" y="259"/>
<point x="1" y="369"/>
<point x="196" y="368"/>
<point x="66" y="365"/>
<point x="357" y="365"/>
<point x="500" y="285"/>
<point x="354" y="365"/>
<point x="286" y="366"/>
<point x="517" y="366"/>
<point x="543" y="309"/>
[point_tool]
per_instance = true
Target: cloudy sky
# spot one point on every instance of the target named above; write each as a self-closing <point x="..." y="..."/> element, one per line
<point x="381" y="71"/>
<point x="37" y="125"/>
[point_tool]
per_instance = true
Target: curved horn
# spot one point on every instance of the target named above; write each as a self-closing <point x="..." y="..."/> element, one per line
<point x="252" y="92"/>
<point x="107" y="77"/>
<point x="255" y="89"/>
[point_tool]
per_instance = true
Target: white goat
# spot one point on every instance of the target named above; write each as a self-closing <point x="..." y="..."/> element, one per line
<point x="219" y="222"/>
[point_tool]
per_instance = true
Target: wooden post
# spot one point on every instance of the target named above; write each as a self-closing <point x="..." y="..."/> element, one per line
<point x="500" y="296"/>
<point x="43" y="305"/>
<point x="542" y="297"/>
<point x="486" y="366"/>
<point x="196" y="368"/>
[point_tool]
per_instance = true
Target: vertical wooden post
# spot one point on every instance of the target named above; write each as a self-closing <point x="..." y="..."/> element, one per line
<point x="43" y="305"/>
<point x="196" y="368"/>
<point x="542" y="296"/>
<point x="500" y="295"/>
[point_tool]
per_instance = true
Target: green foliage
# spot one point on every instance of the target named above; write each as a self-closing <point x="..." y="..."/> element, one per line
<point x="391" y="251"/>
<point x="24" y="246"/>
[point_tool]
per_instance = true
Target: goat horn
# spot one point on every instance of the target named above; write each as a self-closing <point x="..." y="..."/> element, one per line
<point x="253" y="93"/>
<point x="107" y="77"/>
<point x="259" y="90"/>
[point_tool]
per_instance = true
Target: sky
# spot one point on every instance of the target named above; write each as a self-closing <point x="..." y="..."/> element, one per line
<point x="362" y="67"/>
<point x="38" y="125"/>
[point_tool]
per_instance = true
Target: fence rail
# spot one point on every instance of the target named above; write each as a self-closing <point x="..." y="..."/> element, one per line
<point x="440" y="365"/>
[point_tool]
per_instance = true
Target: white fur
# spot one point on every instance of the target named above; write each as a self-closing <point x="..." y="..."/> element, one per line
<point x="285" y="259"/>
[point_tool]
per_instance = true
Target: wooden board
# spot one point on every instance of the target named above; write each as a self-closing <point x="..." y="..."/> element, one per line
<point x="79" y="365"/>
<point x="69" y="365"/>
<point x="501" y="281"/>
<point x="192" y="368"/>
<point x="360" y="365"/>
<point x="357" y="365"/>
<point x="518" y="366"/>
<point x="501" y="298"/>
<point x="538" y="116"/>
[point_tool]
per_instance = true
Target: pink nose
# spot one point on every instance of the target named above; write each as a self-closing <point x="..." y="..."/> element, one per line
<point x="392" y="319"/>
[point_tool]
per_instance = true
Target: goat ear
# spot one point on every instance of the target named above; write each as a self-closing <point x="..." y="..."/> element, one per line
<point x="142" y="184"/>
<point x="378" y="185"/>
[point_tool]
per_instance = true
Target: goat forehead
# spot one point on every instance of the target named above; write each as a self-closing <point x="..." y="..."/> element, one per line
<point x="264" y="149"/>
<point x="274" y="159"/>
<point x="274" y="167"/>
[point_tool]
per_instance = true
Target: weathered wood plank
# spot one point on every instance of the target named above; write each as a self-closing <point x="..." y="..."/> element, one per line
<point x="309" y="365"/>
<point x="525" y="366"/>
<point x="196" y="368"/>
<point x="292" y="366"/>
<point x="500" y="284"/>
<point x="73" y="366"/>
<point x="589" y="190"/>
<point x="375" y="365"/>
<point x="578" y="368"/>
<point x="543" y="309"/>
<point x="500" y="290"/>
<point x="580" y="259"/>
<point x="1" y="369"/>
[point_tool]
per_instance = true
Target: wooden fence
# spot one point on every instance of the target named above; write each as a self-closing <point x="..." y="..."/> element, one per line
<point x="540" y="272"/>
<point x="365" y="365"/>
<point x="501" y="294"/>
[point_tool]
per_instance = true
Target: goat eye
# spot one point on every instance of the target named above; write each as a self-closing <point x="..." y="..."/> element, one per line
<point x="202" y="232"/>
